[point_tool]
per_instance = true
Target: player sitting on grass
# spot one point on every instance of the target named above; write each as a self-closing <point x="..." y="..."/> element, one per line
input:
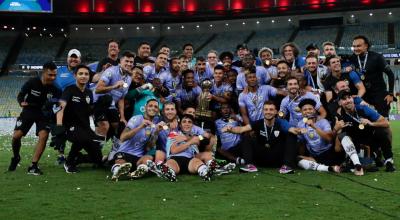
<point x="134" y="141"/>
<point x="317" y="135"/>
<point x="183" y="148"/>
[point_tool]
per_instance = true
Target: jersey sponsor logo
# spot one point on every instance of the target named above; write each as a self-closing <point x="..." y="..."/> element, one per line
<point x="76" y="99"/>
<point x="276" y="133"/>
<point x="87" y="99"/>
<point x="35" y="93"/>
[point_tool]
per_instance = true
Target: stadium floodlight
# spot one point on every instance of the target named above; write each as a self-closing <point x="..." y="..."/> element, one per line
<point x="390" y="13"/>
<point x="12" y="28"/>
<point x="108" y="28"/>
<point x="137" y="28"/>
<point x="197" y="26"/>
<point x="27" y="29"/>
<point x="226" y="24"/>
<point x="44" y="29"/>
<point x="273" y="21"/>
<point x="244" y="23"/>
<point x="211" y="25"/>
<point x="34" y="28"/>
<point x="182" y="27"/>
<point x="62" y="29"/>
<point x="168" y="27"/>
<point x="352" y="16"/>
<point x="370" y="14"/>
<point x="152" y="27"/>
<point x="258" y="22"/>
<point x="289" y="20"/>
<point x="76" y="28"/>
<point x="5" y="26"/>
<point x="121" y="28"/>
<point x="91" y="29"/>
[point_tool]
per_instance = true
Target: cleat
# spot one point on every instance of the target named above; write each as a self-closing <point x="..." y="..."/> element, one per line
<point x="335" y="169"/>
<point x="141" y="170"/>
<point x="70" y="168"/>
<point x="167" y="173"/>
<point x="286" y="170"/>
<point x="211" y="166"/>
<point x="119" y="170"/>
<point x="389" y="167"/>
<point x="358" y="170"/>
<point x="14" y="163"/>
<point x="34" y="170"/>
<point x="249" y="168"/>
<point x="228" y="168"/>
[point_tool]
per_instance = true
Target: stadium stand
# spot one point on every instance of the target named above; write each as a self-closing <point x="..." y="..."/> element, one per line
<point x="272" y="38"/>
<point x="10" y="86"/>
<point x="315" y="35"/>
<point x="6" y="40"/>
<point x="38" y="50"/>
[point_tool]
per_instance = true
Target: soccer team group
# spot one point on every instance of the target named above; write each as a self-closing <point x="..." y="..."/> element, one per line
<point x="207" y="115"/>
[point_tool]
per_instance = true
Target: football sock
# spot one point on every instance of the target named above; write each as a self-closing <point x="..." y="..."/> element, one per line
<point x="311" y="165"/>
<point x="350" y="150"/>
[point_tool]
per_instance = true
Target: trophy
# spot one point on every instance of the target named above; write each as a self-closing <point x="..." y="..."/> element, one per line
<point x="203" y="106"/>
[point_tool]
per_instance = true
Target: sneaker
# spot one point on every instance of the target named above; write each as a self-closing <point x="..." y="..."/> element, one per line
<point x="70" y="168"/>
<point x="60" y="160"/>
<point x="141" y="170"/>
<point x="335" y="169"/>
<point x="211" y="166"/>
<point x="119" y="170"/>
<point x="167" y="172"/>
<point x="389" y="166"/>
<point x="249" y="168"/>
<point x="34" y="170"/>
<point x="286" y="170"/>
<point x="14" y="163"/>
<point x="358" y="170"/>
<point x="228" y="168"/>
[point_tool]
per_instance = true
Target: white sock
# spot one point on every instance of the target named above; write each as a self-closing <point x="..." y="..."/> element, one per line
<point x="202" y="169"/>
<point x="389" y="160"/>
<point x="311" y="165"/>
<point x="115" y="166"/>
<point x="350" y="150"/>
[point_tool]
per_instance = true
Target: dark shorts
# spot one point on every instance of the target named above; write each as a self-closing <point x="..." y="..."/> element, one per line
<point x="128" y="158"/>
<point x="103" y="111"/>
<point x="77" y="134"/>
<point x="26" y="119"/>
<point x="183" y="163"/>
<point x="330" y="157"/>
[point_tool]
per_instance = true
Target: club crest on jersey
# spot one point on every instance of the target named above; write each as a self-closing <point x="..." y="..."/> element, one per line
<point x="19" y="123"/>
<point x="276" y="133"/>
<point x="87" y="99"/>
<point x="49" y="95"/>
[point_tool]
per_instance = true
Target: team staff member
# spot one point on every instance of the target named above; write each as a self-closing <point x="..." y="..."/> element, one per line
<point x="274" y="144"/>
<point x="76" y="108"/>
<point x="371" y="66"/>
<point x="65" y="74"/>
<point x="34" y="94"/>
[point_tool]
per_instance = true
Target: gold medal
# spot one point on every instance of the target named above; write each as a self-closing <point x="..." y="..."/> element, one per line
<point x="361" y="126"/>
<point x="281" y="114"/>
<point x="267" y="145"/>
<point x="165" y="127"/>
<point x="148" y="132"/>
<point x="297" y="109"/>
<point x="267" y="62"/>
<point x="362" y="77"/>
<point x="311" y="135"/>
<point x="231" y="120"/>
<point x="305" y="120"/>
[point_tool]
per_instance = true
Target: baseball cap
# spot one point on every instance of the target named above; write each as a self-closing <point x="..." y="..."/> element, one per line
<point x="74" y="52"/>
<point x="312" y="46"/>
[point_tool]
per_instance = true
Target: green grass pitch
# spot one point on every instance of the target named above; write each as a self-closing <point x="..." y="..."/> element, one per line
<point x="264" y="195"/>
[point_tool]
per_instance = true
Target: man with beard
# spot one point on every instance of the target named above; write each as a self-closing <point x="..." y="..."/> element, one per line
<point x="266" y="55"/>
<point x="329" y="50"/>
<point x="201" y="72"/>
<point x="290" y="53"/>
<point x="241" y="51"/>
<point x="189" y="92"/>
<point x="175" y="79"/>
<point x="274" y="144"/>
<point x="65" y="74"/>
<point x="143" y="57"/>
<point x="248" y="63"/>
<point x="112" y="56"/>
<point x="355" y="83"/>
<point x="109" y="95"/>
<point x="314" y="74"/>
<point x="365" y="126"/>
<point x="136" y="140"/>
<point x="251" y="102"/>
<point x="290" y="104"/>
<point x="370" y="67"/>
